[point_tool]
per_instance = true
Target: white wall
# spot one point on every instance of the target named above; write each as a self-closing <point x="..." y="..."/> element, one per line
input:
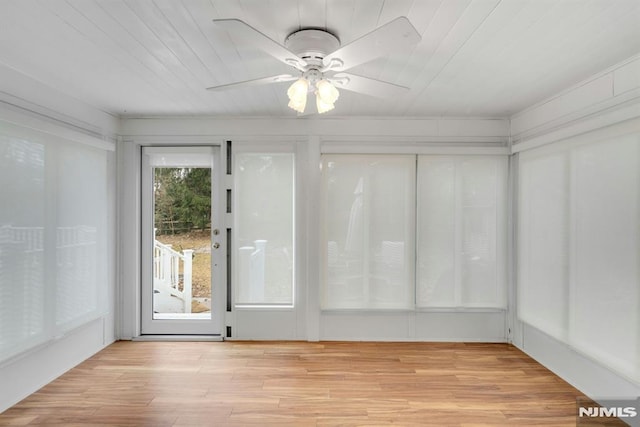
<point x="311" y="137"/>
<point x="603" y="107"/>
<point x="30" y="105"/>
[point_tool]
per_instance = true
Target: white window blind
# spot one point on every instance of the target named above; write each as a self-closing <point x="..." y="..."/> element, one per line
<point x="461" y="238"/>
<point x="579" y="246"/>
<point x="264" y="228"/>
<point x="369" y="218"/>
<point x="371" y="227"/>
<point x="81" y="233"/>
<point x="22" y="256"/>
<point x="53" y="237"/>
<point x="543" y="249"/>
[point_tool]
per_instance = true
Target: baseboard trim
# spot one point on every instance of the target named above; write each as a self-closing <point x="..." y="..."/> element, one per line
<point x="207" y="338"/>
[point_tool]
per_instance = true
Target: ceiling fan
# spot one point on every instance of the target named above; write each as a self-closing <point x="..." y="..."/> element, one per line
<point x="321" y="61"/>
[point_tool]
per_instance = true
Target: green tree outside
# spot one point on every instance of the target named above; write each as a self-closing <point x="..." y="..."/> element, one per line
<point x="182" y="199"/>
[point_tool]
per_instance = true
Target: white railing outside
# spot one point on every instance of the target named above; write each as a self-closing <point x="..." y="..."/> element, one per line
<point x="32" y="237"/>
<point x="166" y="272"/>
<point x="22" y="253"/>
<point x="251" y="268"/>
<point x="22" y="261"/>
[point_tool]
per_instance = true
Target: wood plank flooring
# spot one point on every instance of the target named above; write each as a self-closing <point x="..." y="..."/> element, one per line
<point x="302" y="384"/>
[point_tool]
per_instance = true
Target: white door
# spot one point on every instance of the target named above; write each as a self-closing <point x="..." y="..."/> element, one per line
<point x="183" y="248"/>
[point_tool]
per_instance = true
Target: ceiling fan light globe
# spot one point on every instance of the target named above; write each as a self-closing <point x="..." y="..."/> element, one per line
<point x="298" y="104"/>
<point x="323" y="106"/>
<point x="327" y="92"/>
<point x="298" y="90"/>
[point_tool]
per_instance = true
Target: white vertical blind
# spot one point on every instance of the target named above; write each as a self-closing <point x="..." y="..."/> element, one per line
<point x="461" y="238"/>
<point x="264" y="228"/>
<point x="369" y="203"/>
<point x="579" y="246"/>
<point x="53" y="237"/>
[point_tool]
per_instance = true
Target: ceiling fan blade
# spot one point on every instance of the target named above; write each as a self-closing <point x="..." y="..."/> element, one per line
<point x="391" y="36"/>
<point x="255" y="82"/>
<point x="259" y="40"/>
<point x="366" y="85"/>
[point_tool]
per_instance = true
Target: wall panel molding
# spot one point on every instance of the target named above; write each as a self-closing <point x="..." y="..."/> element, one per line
<point x="35" y="100"/>
<point x="606" y="98"/>
<point x="390" y="129"/>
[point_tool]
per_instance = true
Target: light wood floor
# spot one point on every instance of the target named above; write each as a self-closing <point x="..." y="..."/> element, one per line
<point x="302" y="384"/>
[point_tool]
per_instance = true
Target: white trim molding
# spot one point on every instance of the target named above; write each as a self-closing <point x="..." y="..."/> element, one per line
<point x="609" y="97"/>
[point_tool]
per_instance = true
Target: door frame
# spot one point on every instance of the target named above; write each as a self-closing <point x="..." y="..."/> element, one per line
<point x="214" y="325"/>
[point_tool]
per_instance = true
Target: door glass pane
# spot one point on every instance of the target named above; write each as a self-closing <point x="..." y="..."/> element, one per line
<point x="182" y="243"/>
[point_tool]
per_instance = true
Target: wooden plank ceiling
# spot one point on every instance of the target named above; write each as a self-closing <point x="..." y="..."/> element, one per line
<point x="481" y="58"/>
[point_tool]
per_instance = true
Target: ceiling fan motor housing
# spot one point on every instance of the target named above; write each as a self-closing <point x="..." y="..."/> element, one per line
<point x="312" y="45"/>
<point x="313" y="76"/>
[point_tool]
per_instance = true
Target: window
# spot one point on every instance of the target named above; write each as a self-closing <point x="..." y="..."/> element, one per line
<point x="264" y="229"/>
<point x="369" y="217"/>
<point x="81" y="232"/>
<point x="461" y="238"/>
<point x="371" y="225"/>
<point x="22" y="256"/>
<point x="579" y="246"/>
<point x="53" y="237"/>
<point x="543" y="243"/>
